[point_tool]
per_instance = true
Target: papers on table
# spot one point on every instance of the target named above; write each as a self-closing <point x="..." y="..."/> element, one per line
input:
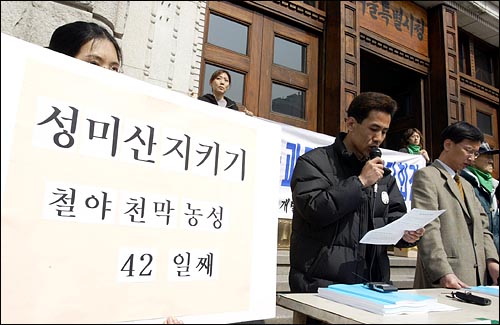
<point x="383" y="303"/>
<point x="490" y="290"/>
<point x="392" y="233"/>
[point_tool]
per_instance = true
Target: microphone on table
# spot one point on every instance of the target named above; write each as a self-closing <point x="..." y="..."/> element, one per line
<point x="377" y="286"/>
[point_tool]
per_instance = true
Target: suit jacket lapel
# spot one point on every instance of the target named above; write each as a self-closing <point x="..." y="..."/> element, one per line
<point x="452" y="186"/>
<point x="469" y="199"/>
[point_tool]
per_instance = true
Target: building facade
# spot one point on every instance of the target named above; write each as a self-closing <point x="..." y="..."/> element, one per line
<point x="302" y="62"/>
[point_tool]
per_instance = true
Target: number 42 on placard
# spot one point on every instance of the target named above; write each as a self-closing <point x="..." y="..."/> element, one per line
<point x="140" y="265"/>
<point x="136" y="265"/>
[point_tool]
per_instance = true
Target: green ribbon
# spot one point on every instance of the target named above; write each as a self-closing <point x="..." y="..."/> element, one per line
<point x="414" y="149"/>
<point x="485" y="179"/>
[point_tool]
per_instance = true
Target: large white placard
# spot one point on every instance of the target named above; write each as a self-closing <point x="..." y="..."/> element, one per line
<point x="123" y="201"/>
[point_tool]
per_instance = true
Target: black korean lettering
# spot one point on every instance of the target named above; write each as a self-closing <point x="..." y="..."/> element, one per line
<point x="176" y="149"/>
<point x="284" y="204"/>
<point x="163" y="210"/>
<point x="64" y="133"/>
<point x="92" y="202"/>
<point x="373" y="8"/>
<point x="243" y="161"/>
<point x="397" y="15"/>
<point x="182" y="264"/>
<point x="384" y="13"/>
<point x="136" y="210"/>
<point x="104" y="132"/>
<point x="193" y="212"/>
<point x="409" y="24"/>
<point x="66" y="202"/>
<point x="419" y="28"/>
<point x="207" y="154"/>
<point x="150" y="144"/>
<point x="206" y="263"/>
<point x="217" y="214"/>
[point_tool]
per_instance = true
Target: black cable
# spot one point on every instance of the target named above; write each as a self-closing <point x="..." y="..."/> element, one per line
<point x="374" y="248"/>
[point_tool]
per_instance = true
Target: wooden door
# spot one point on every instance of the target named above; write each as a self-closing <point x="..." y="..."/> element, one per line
<point x="278" y="64"/>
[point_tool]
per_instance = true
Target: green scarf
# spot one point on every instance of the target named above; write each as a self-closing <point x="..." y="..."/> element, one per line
<point x="484" y="178"/>
<point x="413" y="149"/>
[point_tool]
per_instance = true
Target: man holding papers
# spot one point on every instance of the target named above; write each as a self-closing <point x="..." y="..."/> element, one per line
<point x="457" y="250"/>
<point x="340" y="192"/>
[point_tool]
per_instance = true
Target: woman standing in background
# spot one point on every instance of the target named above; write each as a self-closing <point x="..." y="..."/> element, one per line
<point x="220" y="81"/>
<point x="413" y="144"/>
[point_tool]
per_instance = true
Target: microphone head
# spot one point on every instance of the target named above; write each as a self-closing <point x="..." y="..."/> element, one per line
<point x="375" y="152"/>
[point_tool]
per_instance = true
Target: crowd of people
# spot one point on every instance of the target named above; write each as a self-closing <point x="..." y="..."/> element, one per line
<point x="342" y="191"/>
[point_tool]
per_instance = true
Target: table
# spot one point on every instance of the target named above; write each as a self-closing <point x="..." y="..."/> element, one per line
<point x="311" y="304"/>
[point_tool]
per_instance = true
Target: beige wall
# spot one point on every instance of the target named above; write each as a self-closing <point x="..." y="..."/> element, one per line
<point x="161" y="40"/>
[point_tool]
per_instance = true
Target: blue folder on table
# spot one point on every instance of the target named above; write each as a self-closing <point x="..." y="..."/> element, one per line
<point x="360" y="296"/>
<point x="360" y="290"/>
<point x="490" y="290"/>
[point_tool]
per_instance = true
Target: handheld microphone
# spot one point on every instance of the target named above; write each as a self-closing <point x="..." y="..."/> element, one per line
<point x="375" y="152"/>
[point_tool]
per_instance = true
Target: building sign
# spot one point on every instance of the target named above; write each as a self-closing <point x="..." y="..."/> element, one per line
<point x="402" y="22"/>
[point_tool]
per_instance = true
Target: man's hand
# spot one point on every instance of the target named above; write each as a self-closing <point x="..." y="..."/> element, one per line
<point x="412" y="236"/>
<point x="451" y="281"/>
<point x="372" y="171"/>
<point x="493" y="270"/>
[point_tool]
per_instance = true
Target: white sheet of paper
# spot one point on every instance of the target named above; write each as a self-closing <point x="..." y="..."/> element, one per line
<point x="392" y="233"/>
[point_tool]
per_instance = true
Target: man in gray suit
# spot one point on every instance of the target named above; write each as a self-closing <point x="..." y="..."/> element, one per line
<point x="457" y="250"/>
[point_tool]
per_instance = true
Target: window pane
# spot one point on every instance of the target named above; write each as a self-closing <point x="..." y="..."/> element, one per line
<point x="311" y="3"/>
<point x="289" y="54"/>
<point x="484" y="123"/>
<point x="461" y="61"/>
<point x="227" y="34"/>
<point x="483" y="66"/>
<point x="288" y="101"/>
<point x="235" y="91"/>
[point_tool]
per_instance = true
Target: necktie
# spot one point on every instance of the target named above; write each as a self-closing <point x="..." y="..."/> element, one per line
<point x="459" y="184"/>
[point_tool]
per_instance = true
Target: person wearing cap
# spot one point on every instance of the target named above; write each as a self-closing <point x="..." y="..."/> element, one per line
<point x="479" y="175"/>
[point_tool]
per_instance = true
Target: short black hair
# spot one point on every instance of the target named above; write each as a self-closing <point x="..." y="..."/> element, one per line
<point x="362" y="104"/>
<point x="68" y="39"/>
<point x="460" y="131"/>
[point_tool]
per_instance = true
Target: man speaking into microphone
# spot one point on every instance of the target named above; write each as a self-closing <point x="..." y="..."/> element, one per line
<point x="340" y="192"/>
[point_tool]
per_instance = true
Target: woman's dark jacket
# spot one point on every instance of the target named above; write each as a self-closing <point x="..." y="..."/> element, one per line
<point x="331" y="213"/>
<point x="210" y="98"/>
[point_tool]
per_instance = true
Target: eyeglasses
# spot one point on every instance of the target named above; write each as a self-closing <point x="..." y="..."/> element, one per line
<point x="470" y="152"/>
